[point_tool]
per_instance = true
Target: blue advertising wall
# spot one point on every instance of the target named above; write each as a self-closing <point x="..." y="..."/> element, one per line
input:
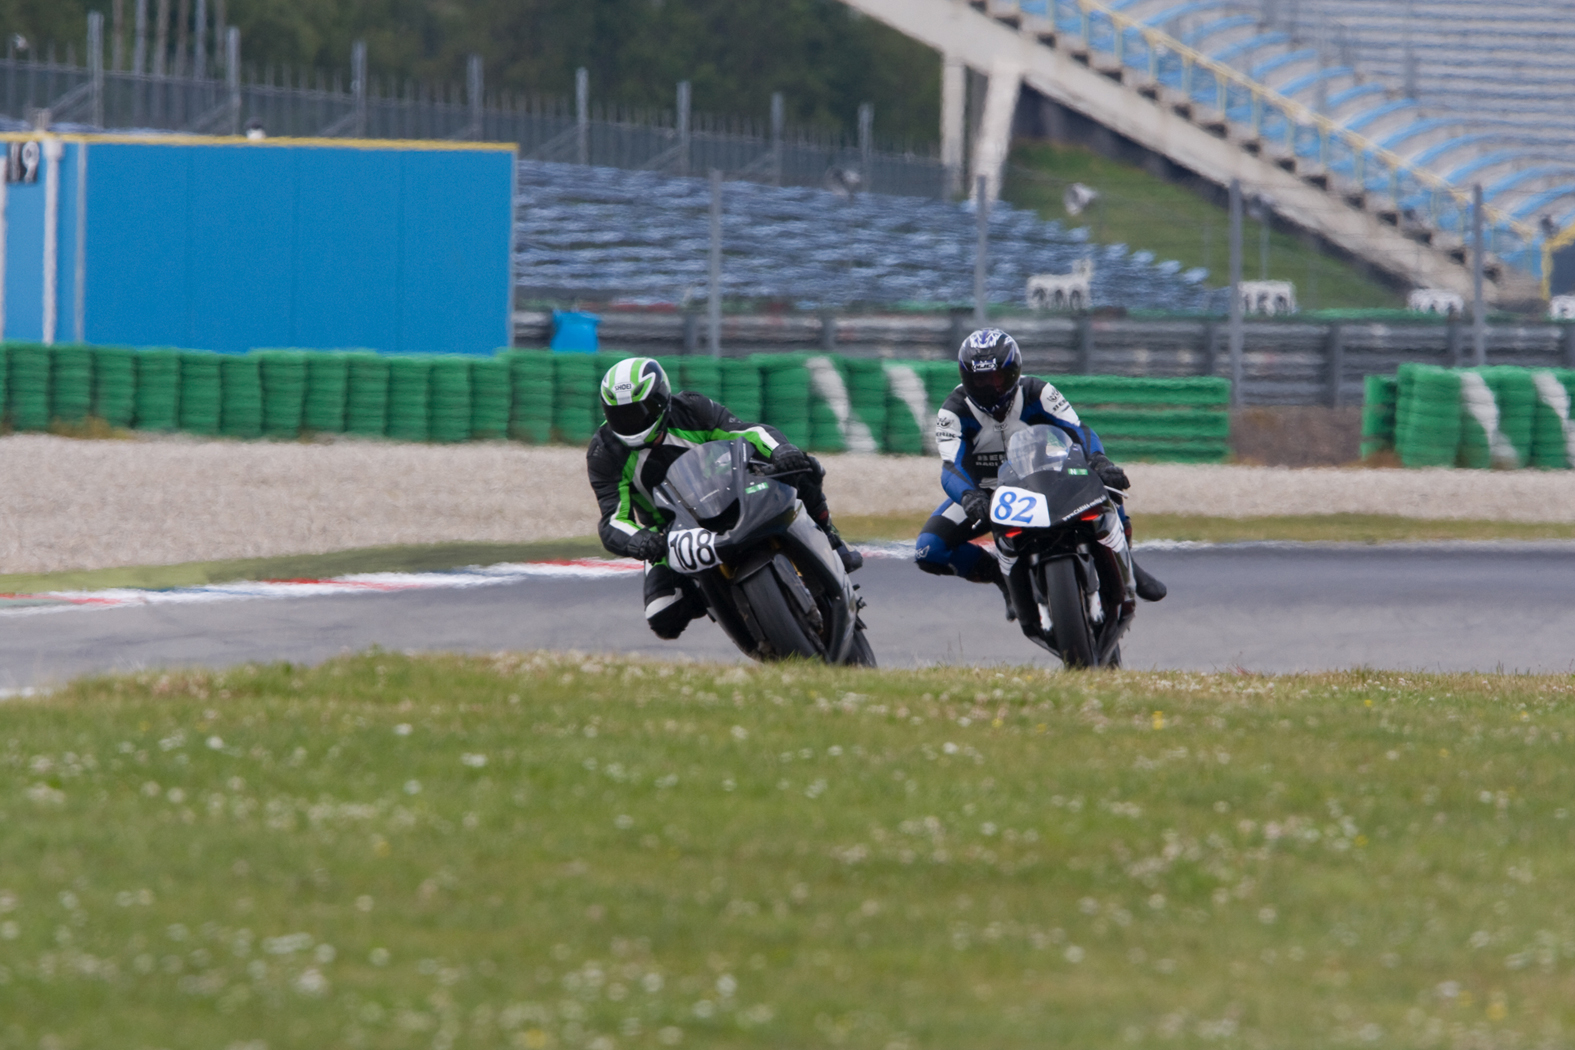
<point x="225" y="244"/>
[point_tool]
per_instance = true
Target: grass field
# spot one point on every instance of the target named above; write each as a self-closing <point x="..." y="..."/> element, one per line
<point x="1145" y="211"/>
<point x="538" y="851"/>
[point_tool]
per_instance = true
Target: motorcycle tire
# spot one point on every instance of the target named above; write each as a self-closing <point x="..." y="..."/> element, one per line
<point x="1068" y="616"/>
<point x="859" y="652"/>
<point x="779" y="618"/>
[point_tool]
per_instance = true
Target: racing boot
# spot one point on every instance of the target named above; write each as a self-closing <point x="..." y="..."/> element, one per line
<point x="1149" y="588"/>
<point x="988" y="570"/>
<point x="852" y="560"/>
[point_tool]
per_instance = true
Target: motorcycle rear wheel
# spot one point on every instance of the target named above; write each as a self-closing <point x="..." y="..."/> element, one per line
<point x="1068" y="618"/>
<point x="785" y="628"/>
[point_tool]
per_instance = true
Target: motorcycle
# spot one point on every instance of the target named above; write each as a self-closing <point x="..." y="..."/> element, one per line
<point x="1060" y="539"/>
<point x="767" y="573"/>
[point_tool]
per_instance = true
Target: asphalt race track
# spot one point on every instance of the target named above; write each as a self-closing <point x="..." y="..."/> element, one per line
<point x="1256" y="607"/>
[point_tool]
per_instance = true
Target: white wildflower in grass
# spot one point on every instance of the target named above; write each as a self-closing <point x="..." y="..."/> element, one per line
<point x="1267" y="915"/>
<point x="670" y="1036"/>
<point x="704" y="1009"/>
<point x="403" y="729"/>
<point x="623" y="822"/>
<point x="9" y="930"/>
<point x="651" y="982"/>
<point x="311" y="983"/>
<point x="1073" y="954"/>
<point x="363" y="903"/>
<point x="726" y="985"/>
<point x="740" y="733"/>
<point x="412" y="787"/>
<point x="378" y="957"/>
<point x="473" y="761"/>
<point x="216" y="743"/>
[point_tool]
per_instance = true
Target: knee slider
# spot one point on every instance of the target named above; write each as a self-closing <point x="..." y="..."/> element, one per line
<point x="933" y="556"/>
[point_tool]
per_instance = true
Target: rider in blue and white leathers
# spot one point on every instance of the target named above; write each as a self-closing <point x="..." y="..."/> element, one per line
<point x="993" y="402"/>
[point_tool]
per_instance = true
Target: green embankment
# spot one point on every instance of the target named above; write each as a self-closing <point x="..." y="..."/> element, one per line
<point x="565" y="851"/>
<point x="1146" y="212"/>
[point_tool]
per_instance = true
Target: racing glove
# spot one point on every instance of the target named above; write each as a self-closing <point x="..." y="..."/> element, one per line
<point x="786" y="459"/>
<point x="1112" y="475"/>
<point x="648" y="545"/>
<point x="976" y="504"/>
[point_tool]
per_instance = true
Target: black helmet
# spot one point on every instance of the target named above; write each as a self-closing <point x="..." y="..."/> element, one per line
<point x="635" y="396"/>
<point x="991" y="366"/>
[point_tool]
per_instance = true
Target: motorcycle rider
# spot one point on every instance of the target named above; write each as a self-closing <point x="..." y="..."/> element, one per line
<point x="972" y="428"/>
<point x="648" y="428"/>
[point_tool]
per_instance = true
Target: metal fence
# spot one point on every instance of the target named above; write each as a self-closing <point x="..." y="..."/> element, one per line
<point x="68" y="97"/>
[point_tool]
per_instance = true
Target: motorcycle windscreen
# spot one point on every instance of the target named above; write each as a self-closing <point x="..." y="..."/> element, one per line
<point x="1042" y="459"/>
<point x="704" y="478"/>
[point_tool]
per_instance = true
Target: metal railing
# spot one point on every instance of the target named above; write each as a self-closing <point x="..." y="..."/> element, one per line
<point x="1274" y="118"/>
<point x="69" y="97"/>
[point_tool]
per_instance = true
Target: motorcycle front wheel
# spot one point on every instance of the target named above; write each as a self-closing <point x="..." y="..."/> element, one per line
<point x="1068" y="616"/>
<point x="787" y="631"/>
<point x="859" y="652"/>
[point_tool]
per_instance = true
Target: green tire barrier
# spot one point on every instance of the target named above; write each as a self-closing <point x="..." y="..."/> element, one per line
<point x="240" y="396"/>
<point x="70" y="383"/>
<point x="784" y="383"/>
<point x="1499" y="417"/>
<point x="410" y="398"/>
<point x="576" y="384"/>
<point x="327" y="390"/>
<point x="1553" y="431"/>
<point x="158" y="390"/>
<point x="199" y="392"/>
<point x="1378" y="415"/>
<point x="741" y="388"/>
<point x="366" y="397"/>
<point x="283" y="391"/>
<point x="28" y="386"/>
<point x="115" y="385"/>
<point x="822" y="402"/>
<point x="531" y="380"/>
<point x="489" y="398"/>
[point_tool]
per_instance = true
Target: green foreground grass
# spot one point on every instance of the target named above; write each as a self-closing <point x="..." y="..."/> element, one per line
<point x="1145" y="211"/>
<point x="562" y="851"/>
<point x="436" y="557"/>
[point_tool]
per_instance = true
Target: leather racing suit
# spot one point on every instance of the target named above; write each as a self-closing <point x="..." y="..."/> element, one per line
<point x="623" y="479"/>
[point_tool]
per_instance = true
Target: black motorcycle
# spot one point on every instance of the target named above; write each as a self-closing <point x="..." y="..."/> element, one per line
<point x="1060" y="540"/>
<point x="768" y="574"/>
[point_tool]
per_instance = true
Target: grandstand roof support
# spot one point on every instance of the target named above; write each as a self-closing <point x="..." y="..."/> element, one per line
<point x="954" y="108"/>
<point x="955" y="28"/>
<point x="993" y="140"/>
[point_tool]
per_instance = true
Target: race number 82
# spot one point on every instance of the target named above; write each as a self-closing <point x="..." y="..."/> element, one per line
<point x="692" y="550"/>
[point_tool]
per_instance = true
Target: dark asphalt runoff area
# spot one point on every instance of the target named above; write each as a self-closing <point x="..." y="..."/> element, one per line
<point x="1264" y="608"/>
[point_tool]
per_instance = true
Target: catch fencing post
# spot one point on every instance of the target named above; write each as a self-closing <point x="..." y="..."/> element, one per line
<point x="1336" y="364"/>
<point x="685" y="96"/>
<point x="778" y="119"/>
<point x="867" y="146"/>
<point x="1567" y="337"/>
<point x="981" y="261"/>
<point x="95" y="57"/>
<point x="474" y="87"/>
<point x="358" y="87"/>
<point x="1478" y="312"/>
<point x="582" y="115"/>
<point x="1236" y="333"/>
<point x="713" y="306"/>
<point x="139" y="45"/>
<point x="199" y="43"/>
<point x="232" y="75"/>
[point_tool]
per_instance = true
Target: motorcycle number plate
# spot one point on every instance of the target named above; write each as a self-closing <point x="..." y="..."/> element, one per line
<point x="692" y="550"/>
<point x="1019" y="508"/>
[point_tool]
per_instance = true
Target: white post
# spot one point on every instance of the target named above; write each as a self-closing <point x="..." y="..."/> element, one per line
<point x="199" y="44"/>
<point x="778" y="126"/>
<point x="954" y="110"/>
<point x="1478" y="308"/>
<point x="358" y="87"/>
<point x="684" y="98"/>
<point x="52" y="152"/>
<point x="232" y="75"/>
<point x="1236" y="333"/>
<point x="475" y="88"/>
<point x="79" y="314"/>
<point x="139" y="45"/>
<point x="867" y="146"/>
<point x="981" y="257"/>
<point x="994" y="137"/>
<point x="582" y="115"/>
<point x="713" y="306"/>
<point x="5" y="244"/>
<point x="95" y="57"/>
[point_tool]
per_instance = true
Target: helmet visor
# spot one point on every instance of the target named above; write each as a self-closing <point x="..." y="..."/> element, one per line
<point x="989" y="390"/>
<point x="635" y="419"/>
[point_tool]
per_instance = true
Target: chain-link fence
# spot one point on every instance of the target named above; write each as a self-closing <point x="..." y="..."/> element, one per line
<point x="69" y="97"/>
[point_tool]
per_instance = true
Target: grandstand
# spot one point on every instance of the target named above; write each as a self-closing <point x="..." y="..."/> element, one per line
<point x="640" y="235"/>
<point x="1272" y="92"/>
